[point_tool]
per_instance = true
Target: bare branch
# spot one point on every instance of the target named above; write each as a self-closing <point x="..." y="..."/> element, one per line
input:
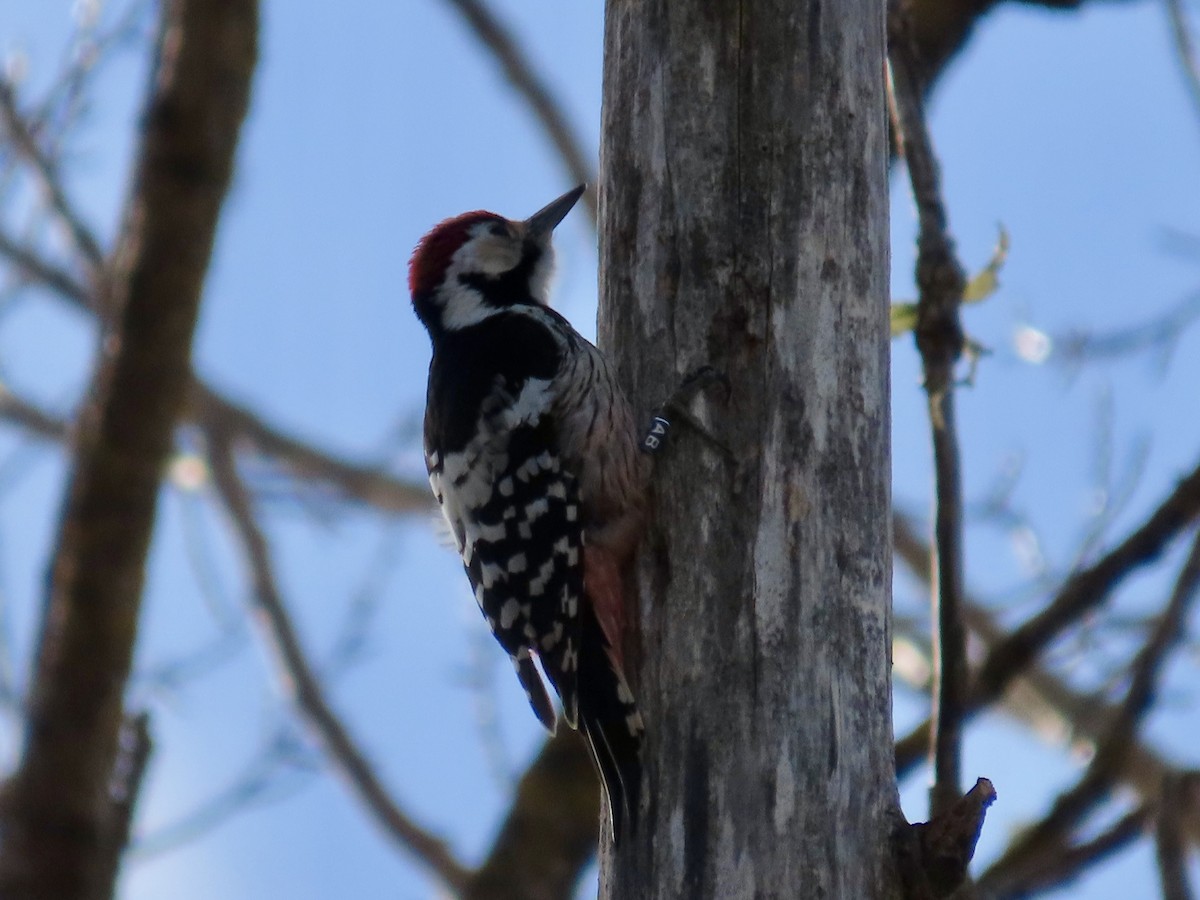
<point x="54" y="815"/>
<point x="943" y="27"/>
<point x="939" y="336"/>
<point x="550" y="833"/>
<point x="1147" y="666"/>
<point x="1037" y="697"/>
<point x="503" y="46"/>
<point x="1088" y="589"/>
<point x="35" y="269"/>
<point x="1083" y="592"/>
<point x="1160" y="333"/>
<point x="1065" y="865"/>
<point x="34" y="420"/>
<point x="25" y="142"/>
<point x="298" y="680"/>
<point x="362" y="483"/>
<point x="1044" y="840"/>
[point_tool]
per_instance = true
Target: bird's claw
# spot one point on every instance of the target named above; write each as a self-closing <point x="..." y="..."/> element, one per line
<point x="676" y="406"/>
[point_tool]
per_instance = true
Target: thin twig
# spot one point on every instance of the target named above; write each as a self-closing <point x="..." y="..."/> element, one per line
<point x="65" y="100"/>
<point x="499" y="41"/>
<point x="1088" y="589"/>
<point x="1036" y="696"/>
<point x="1185" y="50"/>
<point x="1065" y="865"/>
<point x="24" y="141"/>
<point x="358" y="625"/>
<point x="206" y="406"/>
<point x="33" y="268"/>
<point x="261" y="780"/>
<point x="365" y="484"/>
<point x="939" y="336"/>
<point x="297" y="678"/>
<point x="1075" y="348"/>
<point x="1045" y="839"/>
<point x="33" y="419"/>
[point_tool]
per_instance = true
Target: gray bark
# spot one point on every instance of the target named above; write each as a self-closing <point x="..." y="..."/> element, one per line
<point x="744" y="225"/>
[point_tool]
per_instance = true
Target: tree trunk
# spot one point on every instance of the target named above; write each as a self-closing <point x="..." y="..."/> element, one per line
<point x="744" y="225"/>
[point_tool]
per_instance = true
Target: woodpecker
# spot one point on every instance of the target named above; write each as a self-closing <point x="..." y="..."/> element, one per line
<point x="532" y="453"/>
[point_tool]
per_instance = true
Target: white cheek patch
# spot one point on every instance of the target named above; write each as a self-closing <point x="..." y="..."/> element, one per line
<point x="543" y="276"/>
<point x="462" y="305"/>
<point x="492" y="257"/>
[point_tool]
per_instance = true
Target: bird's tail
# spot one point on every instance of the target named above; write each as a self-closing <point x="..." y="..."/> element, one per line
<point x="611" y="723"/>
<point x="535" y="690"/>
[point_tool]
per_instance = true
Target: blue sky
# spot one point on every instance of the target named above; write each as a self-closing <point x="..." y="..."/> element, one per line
<point x="367" y="126"/>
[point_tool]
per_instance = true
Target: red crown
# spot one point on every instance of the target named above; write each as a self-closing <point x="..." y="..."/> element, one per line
<point x="433" y="252"/>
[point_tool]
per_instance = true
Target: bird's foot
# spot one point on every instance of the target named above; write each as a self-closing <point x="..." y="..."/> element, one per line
<point x="675" y="407"/>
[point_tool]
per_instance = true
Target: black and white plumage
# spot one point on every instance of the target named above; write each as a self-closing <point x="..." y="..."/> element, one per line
<point x="532" y="454"/>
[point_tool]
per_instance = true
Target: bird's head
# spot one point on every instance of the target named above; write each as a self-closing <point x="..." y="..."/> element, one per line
<point x="471" y="266"/>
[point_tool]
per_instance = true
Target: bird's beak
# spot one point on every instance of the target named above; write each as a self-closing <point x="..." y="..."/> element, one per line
<point x="541" y="223"/>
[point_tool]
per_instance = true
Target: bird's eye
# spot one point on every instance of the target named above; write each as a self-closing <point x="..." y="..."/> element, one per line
<point x="499" y="230"/>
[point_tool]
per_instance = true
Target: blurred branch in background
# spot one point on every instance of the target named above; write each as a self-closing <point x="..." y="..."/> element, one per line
<point x="300" y="683"/>
<point x="1055" y="870"/>
<point x="1064" y="718"/>
<point x="30" y="418"/>
<point x="1050" y="837"/>
<point x="361" y="483"/>
<point x="503" y="46"/>
<point x="550" y="833"/>
<point x="61" y="825"/>
<point x="1087" y="589"/>
<point x="21" y="137"/>
<point x="29" y="267"/>
<point x="276" y="770"/>
<point x="942" y="28"/>
<point x="1185" y="50"/>
<point x="1078" y="347"/>
<point x="1036" y="697"/>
